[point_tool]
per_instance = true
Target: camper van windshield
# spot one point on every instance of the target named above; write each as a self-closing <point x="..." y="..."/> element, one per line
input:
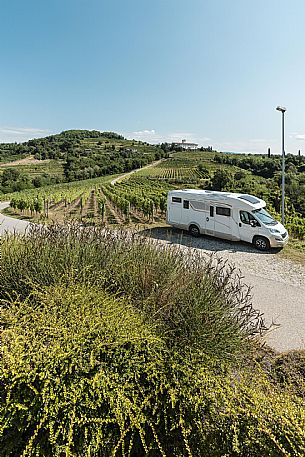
<point x="264" y="216"/>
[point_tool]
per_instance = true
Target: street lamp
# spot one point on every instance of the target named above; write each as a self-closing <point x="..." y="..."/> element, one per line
<point x="282" y="109"/>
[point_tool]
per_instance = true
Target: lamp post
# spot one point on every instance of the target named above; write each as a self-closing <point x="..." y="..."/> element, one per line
<point x="282" y="109"/>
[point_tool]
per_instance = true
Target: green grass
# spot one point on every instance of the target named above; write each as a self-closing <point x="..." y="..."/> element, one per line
<point x="295" y="251"/>
<point x="113" y="346"/>
<point x="53" y="168"/>
<point x="182" y="167"/>
<point x="151" y="279"/>
<point x="74" y="186"/>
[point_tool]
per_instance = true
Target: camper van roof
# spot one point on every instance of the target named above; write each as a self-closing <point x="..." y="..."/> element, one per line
<point x="250" y="199"/>
<point x="212" y="193"/>
<point x="206" y="192"/>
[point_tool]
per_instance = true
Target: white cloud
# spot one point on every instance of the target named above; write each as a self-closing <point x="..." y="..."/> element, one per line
<point x="244" y="145"/>
<point x="300" y="137"/>
<point x="251" y="146"/>
<point x="145" y="132"/>
<point x="20" y="134"/>
<point x="21" y="131"/>
<point x="260" y="140"/>
<point x="152" y="136"/>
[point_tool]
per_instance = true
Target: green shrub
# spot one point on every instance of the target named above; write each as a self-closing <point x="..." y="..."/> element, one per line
<point x="195" y="302"/>
<point x="111" y="345"/>
<point x="83" y="374"/>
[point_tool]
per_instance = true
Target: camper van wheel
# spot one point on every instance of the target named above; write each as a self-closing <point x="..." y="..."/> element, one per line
<point x="261" y="243"/>
<point x="194" y="230"/>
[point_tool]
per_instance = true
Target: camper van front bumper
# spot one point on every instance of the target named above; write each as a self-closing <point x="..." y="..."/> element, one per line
<point x="279" y="240"/>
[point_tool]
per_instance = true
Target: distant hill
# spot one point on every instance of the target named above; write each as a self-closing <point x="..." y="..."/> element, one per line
<point x="57" y="146"/>
<point x="78" y="154"/>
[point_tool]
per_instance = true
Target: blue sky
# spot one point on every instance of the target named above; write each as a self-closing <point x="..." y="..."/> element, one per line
<point x="211" y="71"/>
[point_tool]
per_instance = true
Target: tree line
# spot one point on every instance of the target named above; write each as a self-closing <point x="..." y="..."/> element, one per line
<point x="83" y="158"/>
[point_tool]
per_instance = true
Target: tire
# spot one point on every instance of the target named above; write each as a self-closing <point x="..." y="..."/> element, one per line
<point x="261" y="243"/>
<point x="194" y="230"/>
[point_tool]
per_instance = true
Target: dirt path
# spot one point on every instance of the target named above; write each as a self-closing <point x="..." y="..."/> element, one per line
<point x="26" y="161"/>
<point x="74" y="206"/>
<point x="126" y="175"/>
<point x="113" y="216"/>
<point x="90" y="207"/>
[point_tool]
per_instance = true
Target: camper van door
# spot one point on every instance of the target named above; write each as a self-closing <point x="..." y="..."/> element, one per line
<point x="174" y="209"/>
<point x="210" y="220"/>
<point x="223" y="221"/>
<point x="247" y="229"/>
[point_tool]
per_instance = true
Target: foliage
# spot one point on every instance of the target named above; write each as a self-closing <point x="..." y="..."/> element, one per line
<point x="140" y="194"/>
<point x="13" y="180"/>
<point x="53" y="195"/>
<point x="222" y="180"/>
<point x="100" y="359"/>
<point x="84" y="154"/>
<point x="157" y="281"/>
<point x="270" y="169"/>
<point x="177" y="171"/>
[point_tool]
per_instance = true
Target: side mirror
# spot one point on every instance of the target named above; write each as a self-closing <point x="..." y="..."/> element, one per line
<point x="254" y="223"/>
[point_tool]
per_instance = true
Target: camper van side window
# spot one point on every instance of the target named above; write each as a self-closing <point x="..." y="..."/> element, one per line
<point x="186" y="204"/>
<point x="221" y="211"/>
<point x="176" y="200"/>
<point x="211" y="211"/>
<point x="246" y="218"/>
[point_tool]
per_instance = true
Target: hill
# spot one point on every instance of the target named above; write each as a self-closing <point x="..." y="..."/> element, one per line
<point x="69" y="156"/>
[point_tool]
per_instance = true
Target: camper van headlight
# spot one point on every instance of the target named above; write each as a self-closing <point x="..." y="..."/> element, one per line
<point x="272" y="230"/>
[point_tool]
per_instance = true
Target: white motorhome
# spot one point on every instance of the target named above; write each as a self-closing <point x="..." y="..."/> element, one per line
<point x="231" y="216"/>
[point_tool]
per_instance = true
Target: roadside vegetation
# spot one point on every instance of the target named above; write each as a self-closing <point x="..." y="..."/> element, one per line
<point x="112" y="345"/>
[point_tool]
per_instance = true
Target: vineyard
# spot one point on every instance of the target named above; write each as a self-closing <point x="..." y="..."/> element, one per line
<point x="173" y="171"/>
<point x="75" y="200"/>
<point x="176" y="171"/>
<point x="95" y="201"/>
<point x="141" y="199"/>
<point x="138" y="199"/>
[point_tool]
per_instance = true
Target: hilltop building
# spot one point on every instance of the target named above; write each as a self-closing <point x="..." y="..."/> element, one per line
<point x="185" y="145"/>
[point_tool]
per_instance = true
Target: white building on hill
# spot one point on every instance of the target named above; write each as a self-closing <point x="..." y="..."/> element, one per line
<point x="185" y="145"/>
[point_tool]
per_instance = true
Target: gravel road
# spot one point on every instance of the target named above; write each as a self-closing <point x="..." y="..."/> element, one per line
<point x="278" y="285"/>
<point x="9" y="224"/>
